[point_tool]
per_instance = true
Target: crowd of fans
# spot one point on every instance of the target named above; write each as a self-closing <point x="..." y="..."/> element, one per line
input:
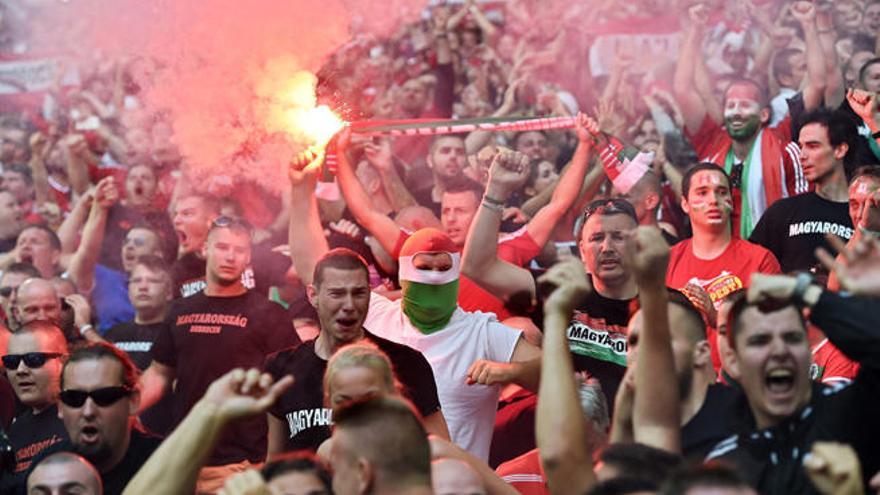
<point x="676" y="296"/>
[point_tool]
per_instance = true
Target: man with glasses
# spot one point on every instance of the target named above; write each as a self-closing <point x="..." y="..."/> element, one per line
<point x="207" y="334"/>
<point x="33" y="366"/>
<point x="597" y="334"/>
<point x="98" y="401"/>
<point x="713" y="259"/>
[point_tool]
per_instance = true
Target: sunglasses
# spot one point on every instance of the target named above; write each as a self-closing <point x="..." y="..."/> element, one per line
<point x="225" y="222"/>
<point x="103" y="397"/>
<point x="6" y="291"/>
<point x="32" y="360"/>
<point x="611" y="206"/>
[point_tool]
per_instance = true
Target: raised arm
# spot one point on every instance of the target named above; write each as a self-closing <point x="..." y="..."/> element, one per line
<point x="481" y="264"/>
<point x="569" y="186"/>
<point x="656" y="406"/>
<point x="805" y="13"/>
<point x="684" y="86"/>
<point x="85" y="259"/>
<point x="305" y="236"/>
<point x="358" y="201"/>
<point x="566" y="458"/>
<point x="40" y="146"/>
<point x="380" y="157"/>
<point x="174" y="466"/>
<point x="68" y="232"/>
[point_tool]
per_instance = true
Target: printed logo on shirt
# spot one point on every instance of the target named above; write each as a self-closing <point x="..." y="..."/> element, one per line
<point x="25" y="455"/>
<point x="595" y="338"/>
<point x="192" y="287"/>
<point x="807" y="228"/>
<point x="719" y="287"/>
<point x="816" y="372"/>
<point x="299" y="421"/>
<point x="134" y="346"/>
<point x="210" y="323"/>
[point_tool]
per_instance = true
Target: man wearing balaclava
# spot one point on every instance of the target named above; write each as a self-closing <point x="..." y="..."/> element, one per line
<point x="472" y="354"/>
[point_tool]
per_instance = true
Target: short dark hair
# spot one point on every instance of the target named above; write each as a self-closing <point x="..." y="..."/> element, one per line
<point x="841" y="129"/>
<point x="641" y="461"/>
<point x="24" y="268"/>
<point x="100" y="350"/>
<point x="863" y="70"/>
<point x="340" y="259"/>
<point x="440" y="137"/>
<point x="711" y="475"/>
<point x="622" y="485"/>
<point x="782" y="61"/>
<point x="154" y="263"/>
<point x="738" y="306"/>
<point x="295" y="462"/>
<point x="689" y="174"/>
<point x="54" y="240"/>
<point x="462" y="184"/>
<point x="388" y="433"/>
<point x="23" y="170"/>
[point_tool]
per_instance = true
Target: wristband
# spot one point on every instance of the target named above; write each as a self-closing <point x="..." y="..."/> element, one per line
<point x="876" y="135"/>
<point x="490" y="199"/>
<point x="802" y="282"/>
<point x="865" y="231"/>
<point x="489" y="205"/>
<point x="85" y="328"/>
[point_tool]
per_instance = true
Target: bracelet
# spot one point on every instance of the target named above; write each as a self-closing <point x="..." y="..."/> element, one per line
<point x="802" y="282"/>
<point x="876" y="135"/>
<point x="489" y="205"/>
<point x="492" y="200"/>
<point x="85" y="328"/>
<point x="869" y="232"/>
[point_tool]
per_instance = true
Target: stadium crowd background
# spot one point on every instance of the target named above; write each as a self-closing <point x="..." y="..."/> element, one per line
<point x="110" y="233"/>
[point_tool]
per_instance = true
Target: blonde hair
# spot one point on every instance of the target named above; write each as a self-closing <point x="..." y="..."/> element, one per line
<point x="361" y="355"/>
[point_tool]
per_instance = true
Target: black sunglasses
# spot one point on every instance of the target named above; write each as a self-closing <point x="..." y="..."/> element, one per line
<point x="103" y="397"/>
<point x="225" y="222"/>
<point x="6" y="291"/>
<point x="32" y="360"/>
<point x="610" y="206"/>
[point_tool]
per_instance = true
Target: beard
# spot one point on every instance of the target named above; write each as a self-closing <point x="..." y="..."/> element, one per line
<point x="685" y="381"/>
<point x="747" y="131"/>
<point x="96" y="454"/>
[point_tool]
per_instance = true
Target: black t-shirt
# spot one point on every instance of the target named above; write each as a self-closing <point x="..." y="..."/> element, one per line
<point x="205" y="337"/>
<point x="711" y="424"/>
<point x="120" y="219"/>
<point x="136" y="340"/>
<point x="140" y="448"/>
<point x="302" y="406"/>
<point x="596" y="336"/>
<point x="792" y="229"/>
<point x="32" y="433"/>
<point x="425" y="197"/>
<point x="266" y="269"/>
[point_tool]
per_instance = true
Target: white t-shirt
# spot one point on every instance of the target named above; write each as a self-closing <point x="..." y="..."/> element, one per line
<point x="469" y="409"/>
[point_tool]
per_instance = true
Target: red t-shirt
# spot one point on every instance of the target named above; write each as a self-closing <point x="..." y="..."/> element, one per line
<point x="830" y="366"/>
<point x="720" y="277"/>
<point x="524" y="473"/>
<point x="517" y="248"/>
<point x="723" y="275"/>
